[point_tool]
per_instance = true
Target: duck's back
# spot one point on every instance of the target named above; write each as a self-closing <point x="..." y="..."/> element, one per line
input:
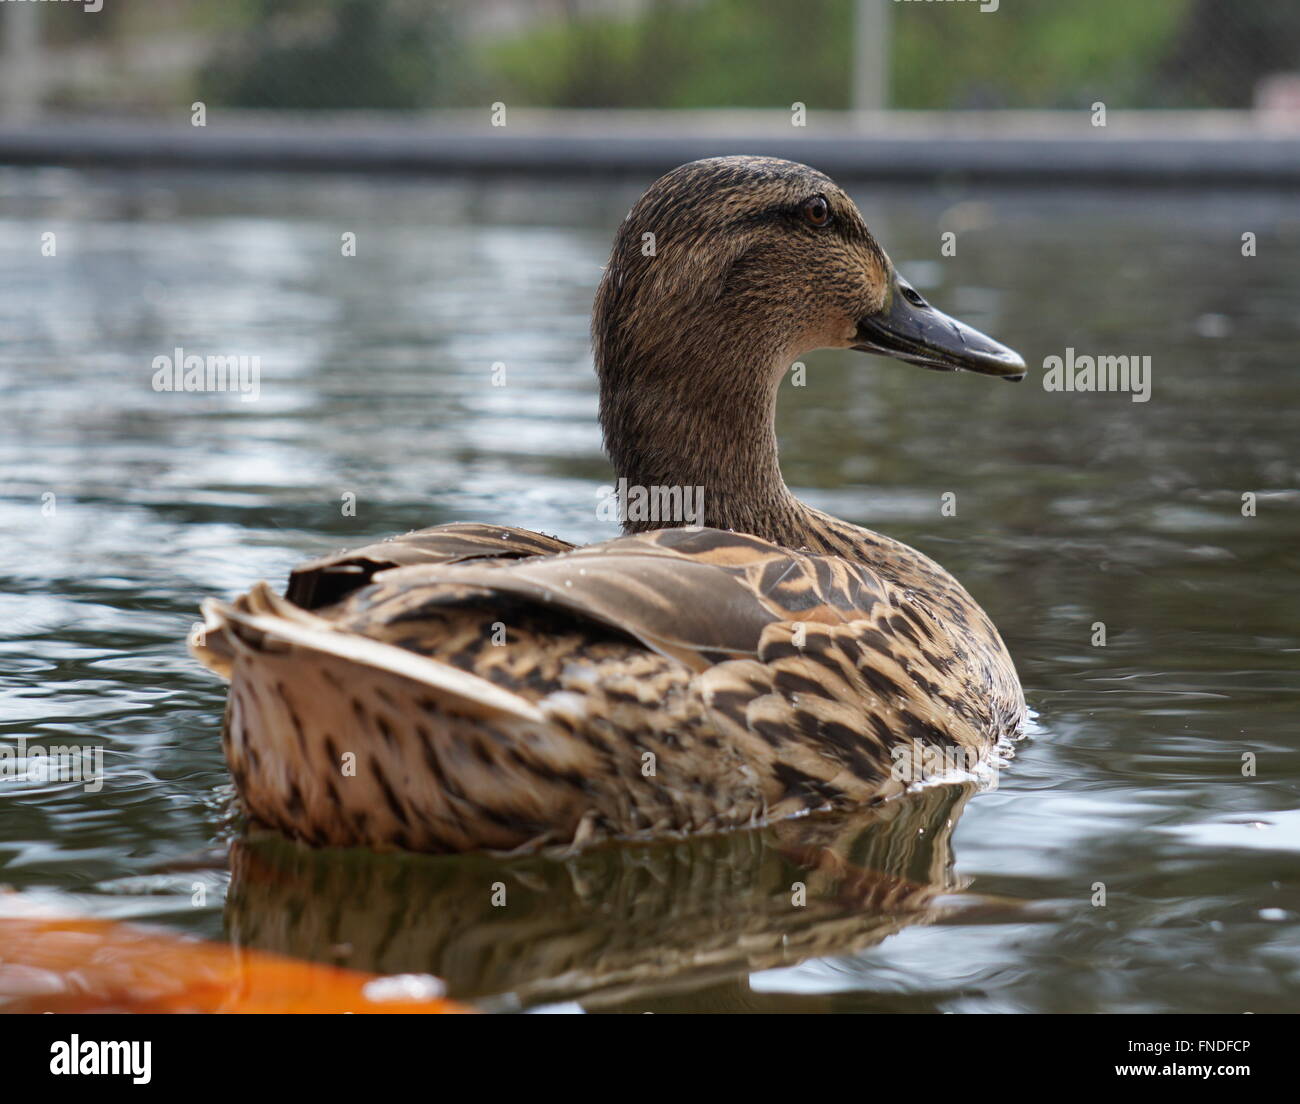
<point x="477" y="686"/>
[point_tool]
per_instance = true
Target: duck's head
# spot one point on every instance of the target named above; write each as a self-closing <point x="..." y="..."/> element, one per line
<point x="755" y="249"/>
<point x="725" y="272"/>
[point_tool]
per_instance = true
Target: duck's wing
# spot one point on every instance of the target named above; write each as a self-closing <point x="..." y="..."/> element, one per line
<point x="323" y="581"/>
<point x="699" y="596"/>
<point x="786" y="647"/>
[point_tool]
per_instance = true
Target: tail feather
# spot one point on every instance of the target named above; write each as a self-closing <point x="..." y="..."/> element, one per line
<point x="261" y="622"/>
<point x="342" y="740"/>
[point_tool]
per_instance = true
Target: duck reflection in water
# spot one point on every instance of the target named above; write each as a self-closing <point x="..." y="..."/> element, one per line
<point x="611" y="926"/>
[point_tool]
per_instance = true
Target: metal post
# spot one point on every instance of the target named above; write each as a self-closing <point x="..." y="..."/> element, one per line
<point x="871" y="55"/>
<point x="21" y="72"/>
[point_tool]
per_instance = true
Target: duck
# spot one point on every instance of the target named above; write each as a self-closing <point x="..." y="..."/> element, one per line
<point x="480" y="687"/>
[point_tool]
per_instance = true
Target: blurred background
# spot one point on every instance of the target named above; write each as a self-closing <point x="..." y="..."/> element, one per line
<point x="331" y="55"/>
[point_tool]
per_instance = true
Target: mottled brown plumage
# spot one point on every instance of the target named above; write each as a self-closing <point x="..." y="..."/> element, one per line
<point x="473" y="686"/>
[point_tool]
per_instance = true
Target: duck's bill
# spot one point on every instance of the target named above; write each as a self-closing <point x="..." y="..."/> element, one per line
<point x="909" y="329"/>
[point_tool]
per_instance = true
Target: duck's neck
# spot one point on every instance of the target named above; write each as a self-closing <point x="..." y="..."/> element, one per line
<point x="705" y="439"/>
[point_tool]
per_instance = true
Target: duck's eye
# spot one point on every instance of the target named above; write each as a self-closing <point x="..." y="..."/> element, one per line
<point x="817" y="211"/>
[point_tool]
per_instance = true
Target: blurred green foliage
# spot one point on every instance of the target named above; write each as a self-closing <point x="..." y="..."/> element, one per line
<point x="342" y="54"/>
<point x="1027" y="54"/>
<point x="334" y="55"/>
<point x="1036" y="54"/>
<point x="681" y="53"/>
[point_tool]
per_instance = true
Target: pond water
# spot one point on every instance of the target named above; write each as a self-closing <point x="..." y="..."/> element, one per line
<point x="122" y="507"/>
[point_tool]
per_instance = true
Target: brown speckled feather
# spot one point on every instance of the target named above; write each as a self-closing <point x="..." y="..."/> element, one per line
<point x="686" y="680"/>
<point x="324" y="580"/>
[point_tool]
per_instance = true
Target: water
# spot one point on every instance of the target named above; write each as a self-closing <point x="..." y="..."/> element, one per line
<point x="1072" y="509"/>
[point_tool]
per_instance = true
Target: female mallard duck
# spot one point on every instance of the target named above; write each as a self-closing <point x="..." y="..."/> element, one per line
<point x="474" y="686"/>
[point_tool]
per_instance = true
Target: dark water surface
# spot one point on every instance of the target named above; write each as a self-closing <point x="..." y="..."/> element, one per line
<point x="1072" y="509"/>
